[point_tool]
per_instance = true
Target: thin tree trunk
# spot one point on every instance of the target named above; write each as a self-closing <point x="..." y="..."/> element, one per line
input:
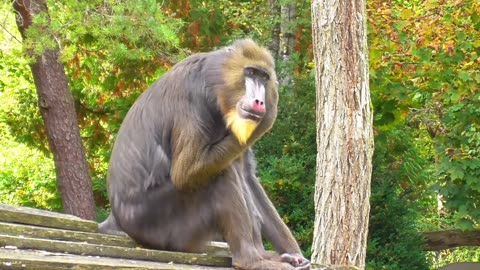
<point x="287" y="38"/>
<point x="274" y="45"/>
<point x="287" y="42"/>
<point x="57" y="108"/>
<point x="344" y="133"/>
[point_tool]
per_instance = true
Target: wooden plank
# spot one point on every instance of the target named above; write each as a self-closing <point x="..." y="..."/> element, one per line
<point x="40" y="260"/>
<point x="213" y="248"/>
<point x="115" y="252"/>
<point x="31" y="216"/>
<point x="66" y="235"/>
<point x="439" y="240"/>
<point x="218" y="249"/>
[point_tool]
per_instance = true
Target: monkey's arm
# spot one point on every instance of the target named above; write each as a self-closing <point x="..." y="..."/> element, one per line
<point x="195" y="160"/>
<point x="275" y="230"/>
<point x="273" y="227"/>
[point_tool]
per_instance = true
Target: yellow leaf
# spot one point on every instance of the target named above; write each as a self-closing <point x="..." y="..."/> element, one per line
<point x="476" y="43"/>
<point x="406" y="14"/>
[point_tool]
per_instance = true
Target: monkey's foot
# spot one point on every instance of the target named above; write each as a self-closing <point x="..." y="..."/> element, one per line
<point x="296" y="260"/>
<point x="265" y="265"/>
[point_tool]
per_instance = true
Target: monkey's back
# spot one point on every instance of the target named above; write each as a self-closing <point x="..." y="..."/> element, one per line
<point x="141" y="156"/>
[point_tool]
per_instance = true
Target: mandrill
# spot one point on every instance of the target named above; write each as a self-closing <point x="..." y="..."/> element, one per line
<point x="182" y="170"/>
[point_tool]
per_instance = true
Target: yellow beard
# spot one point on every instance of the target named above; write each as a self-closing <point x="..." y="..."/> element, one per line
<point x="240" y="127"/>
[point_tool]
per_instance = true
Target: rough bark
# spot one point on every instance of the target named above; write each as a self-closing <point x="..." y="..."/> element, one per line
<point x="440" y="240"/>
<point x="344" y="132"/>
<point x="57" y="109"/>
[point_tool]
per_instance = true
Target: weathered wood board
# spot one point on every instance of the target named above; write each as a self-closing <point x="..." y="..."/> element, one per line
<point x="38" y="239"/>
<point x="41" y="260"/>
<point x="66" y="235"/>
<point x="21" y="230"/>
<point x="113" y="251"/>
<point x="26" y="215"/>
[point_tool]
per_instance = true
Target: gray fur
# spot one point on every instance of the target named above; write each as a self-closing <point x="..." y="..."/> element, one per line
<point x="178" y="177"/>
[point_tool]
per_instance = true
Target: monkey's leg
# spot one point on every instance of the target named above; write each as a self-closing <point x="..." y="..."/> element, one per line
<point x="273" y="226"/>
<point x="235" y="223"/>
<point x="167" y="220"/>
<point x="110" y="226"/>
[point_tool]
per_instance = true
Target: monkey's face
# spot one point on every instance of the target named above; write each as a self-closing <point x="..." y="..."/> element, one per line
<point x="252" y="106"/>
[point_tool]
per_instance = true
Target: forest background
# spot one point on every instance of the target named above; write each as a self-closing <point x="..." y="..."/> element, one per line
<point x="424" y="60"/>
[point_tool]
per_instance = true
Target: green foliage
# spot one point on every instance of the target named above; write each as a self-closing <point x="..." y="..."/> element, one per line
<point x="212" y="23"/>
<point x="397" y="201"/>
<point x="424" y="69"/>
<point x="287" y="158"/>
<point x="102" y="214"/>
<point x="22" y="181"/>
<point x="112" y="51"/>
<point x="19" y="111"/>
<point x="460" y="254"/>
<point x="27" y="176"/>
<point x="459" y="160"/>
<point x="19" y="114"/>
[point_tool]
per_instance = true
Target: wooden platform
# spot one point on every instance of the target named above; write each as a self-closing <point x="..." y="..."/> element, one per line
<point x="37" y="239"/>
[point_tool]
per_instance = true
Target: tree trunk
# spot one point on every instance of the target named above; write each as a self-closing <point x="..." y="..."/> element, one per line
<point x="274" y="45"/>
<point x="57" y="108"/>
<point x="287" y="42"/>
<point x="287" y="39"/>
<point x="344" y="133"/>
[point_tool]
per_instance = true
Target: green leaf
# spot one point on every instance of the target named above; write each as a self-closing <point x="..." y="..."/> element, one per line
<point x="474" y="164"/>
<point x="461" y="36"/>
<point x="424" y="54"/>
<point x="465" y="224"/>
<point x="475" y="17"/>
<point x="464" y="76"/>
<point x="457" y="107"/>
<point x="400" y="24"/>
<point x="455" y="172"/>
<point x="477" y="77"/>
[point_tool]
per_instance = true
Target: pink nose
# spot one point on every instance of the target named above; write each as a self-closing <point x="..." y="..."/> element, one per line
<point x="258" y="106"/>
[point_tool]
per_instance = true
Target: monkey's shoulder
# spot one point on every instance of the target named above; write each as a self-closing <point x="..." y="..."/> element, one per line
<point x="204" y="59"/>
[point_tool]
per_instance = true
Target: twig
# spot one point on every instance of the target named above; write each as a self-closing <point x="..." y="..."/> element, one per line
<point x="6" y="30"/>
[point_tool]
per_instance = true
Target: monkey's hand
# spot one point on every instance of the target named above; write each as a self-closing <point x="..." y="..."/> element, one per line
<point x="296" y="260"/>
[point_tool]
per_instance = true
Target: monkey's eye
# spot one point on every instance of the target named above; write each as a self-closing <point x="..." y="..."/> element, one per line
<point x="250" y="72"/>
<point x="256" y="73"/>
